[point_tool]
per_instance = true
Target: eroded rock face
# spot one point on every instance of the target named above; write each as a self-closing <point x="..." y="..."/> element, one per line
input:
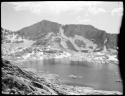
<point x="93" y="34"/>
<point x="80" y="43"/>
<point x="70" y="46"/>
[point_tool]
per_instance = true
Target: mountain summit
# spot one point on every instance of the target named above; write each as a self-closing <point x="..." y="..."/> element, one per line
<point x="74" y="37"/>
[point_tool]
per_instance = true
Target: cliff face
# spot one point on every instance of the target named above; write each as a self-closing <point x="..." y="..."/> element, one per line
<point x="75" y="37"/>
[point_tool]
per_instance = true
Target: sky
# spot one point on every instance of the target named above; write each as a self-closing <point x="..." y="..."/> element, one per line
<point x="102" y="15"/>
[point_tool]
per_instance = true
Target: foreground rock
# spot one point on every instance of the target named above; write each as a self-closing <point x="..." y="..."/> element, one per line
<point x="18" y="81"/>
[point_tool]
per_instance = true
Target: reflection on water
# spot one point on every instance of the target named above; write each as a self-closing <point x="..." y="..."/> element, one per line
<point x="98" y="76"/>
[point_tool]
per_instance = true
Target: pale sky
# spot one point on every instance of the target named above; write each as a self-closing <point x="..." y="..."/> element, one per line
<point x="103" y="15"/>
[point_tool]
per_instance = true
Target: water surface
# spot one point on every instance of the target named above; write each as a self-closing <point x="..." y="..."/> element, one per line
<point x="97" y="76"/>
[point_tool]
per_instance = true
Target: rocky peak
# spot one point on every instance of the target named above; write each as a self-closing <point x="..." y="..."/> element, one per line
<point x="82" y="33"/>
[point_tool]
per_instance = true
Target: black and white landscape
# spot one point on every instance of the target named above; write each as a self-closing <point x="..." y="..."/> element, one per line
<point x="61" y="48"/>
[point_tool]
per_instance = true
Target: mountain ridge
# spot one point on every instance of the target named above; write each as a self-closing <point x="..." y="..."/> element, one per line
<point x="91" y="37"/>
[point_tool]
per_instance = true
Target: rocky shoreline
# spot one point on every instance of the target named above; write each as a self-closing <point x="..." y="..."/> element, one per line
<point x="19" y="81"/>
<point x="93" y="57"/>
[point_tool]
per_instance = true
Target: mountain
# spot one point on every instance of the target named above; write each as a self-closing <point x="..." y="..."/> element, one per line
<point x="73" y="37"/>
<point x="39" y="30"/>
<point x="93" y="34"/>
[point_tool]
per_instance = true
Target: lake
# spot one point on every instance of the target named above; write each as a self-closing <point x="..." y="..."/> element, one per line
<point x="97" y="76"/>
